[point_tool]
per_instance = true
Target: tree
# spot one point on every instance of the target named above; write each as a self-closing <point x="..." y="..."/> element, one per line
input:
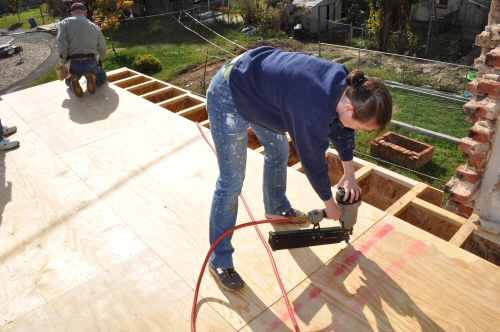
<point x="108" y="13"/>
<point x="391" y="16"/>
<point x="14" y="6"/>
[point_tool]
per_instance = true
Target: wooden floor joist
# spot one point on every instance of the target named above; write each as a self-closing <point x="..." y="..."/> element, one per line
<point x="104" y="210"/>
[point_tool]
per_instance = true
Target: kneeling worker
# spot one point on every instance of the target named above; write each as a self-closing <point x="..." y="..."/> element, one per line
<point x="80" y="41"/>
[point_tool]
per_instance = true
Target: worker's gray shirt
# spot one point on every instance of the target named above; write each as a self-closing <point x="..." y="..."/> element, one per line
<point x="77" y="35"/>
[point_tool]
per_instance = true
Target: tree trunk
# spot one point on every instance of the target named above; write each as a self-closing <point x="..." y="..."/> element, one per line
<point x="155" y="7"/>
<point x="384" y="24"/>
<point x="436" y="18"/>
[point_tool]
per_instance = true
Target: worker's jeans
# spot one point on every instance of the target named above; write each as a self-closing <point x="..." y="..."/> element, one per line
<point x="230" y="135"/>
<point x="79" y="67"/>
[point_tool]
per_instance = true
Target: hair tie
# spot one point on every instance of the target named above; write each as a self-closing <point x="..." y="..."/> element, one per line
<point x="359" y="80"/>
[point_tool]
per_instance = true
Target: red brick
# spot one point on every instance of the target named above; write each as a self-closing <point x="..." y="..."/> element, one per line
<point x="472" y="119"/>
<point x="462" y="191"/>
<point x="491" y="88"/>
<point x="465" y="209"/>
<point x="469" y="174"/>
<point x="482" y="131"/>
<point x="492" y="59"/>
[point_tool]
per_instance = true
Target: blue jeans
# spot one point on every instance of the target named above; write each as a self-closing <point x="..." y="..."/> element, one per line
<point x="79" y="67"/>
<point x="230" y="135"/>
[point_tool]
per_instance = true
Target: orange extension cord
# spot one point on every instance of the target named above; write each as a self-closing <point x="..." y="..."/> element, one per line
<point x="255" y="223"/>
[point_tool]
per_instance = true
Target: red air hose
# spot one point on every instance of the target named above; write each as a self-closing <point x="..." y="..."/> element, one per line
<point x="255" y="223"/>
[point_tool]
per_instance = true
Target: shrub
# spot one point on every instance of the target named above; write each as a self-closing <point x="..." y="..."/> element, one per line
<point x="146" y="63"/>
<point x="158" y="30"/>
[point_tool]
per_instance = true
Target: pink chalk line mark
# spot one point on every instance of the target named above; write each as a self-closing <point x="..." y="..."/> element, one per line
<point x="348" y="262"/>
<point x="393" y="270"/>
<point x="351" y="260"/>
<point x="110" y="228"/>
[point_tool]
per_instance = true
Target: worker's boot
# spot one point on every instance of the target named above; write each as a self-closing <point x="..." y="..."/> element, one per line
<point x="75" y="86"/>
<point x="90" y="81"/>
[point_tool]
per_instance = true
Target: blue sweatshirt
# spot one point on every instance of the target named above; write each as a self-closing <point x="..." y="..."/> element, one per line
<point x="298" y="94"/>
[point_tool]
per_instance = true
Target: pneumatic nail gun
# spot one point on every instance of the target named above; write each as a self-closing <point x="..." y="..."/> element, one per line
<point x="317" y="235"/>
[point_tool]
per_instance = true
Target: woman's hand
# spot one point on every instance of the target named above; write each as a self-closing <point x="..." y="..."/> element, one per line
<point x="348" y="181"/>
<point x="332" y="209"/>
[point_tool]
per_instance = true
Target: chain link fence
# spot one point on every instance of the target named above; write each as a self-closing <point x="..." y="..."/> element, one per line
<point x="417" y="72"/>
<point x="442" y="49"/>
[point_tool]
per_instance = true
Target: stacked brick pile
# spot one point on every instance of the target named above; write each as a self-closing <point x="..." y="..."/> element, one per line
<point x="401" y="150"/>
<point x="482" y="111"/>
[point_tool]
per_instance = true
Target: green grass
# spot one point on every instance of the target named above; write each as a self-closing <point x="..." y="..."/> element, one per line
<point x="49" y="77"/>
<point x="447" y="157"/>
<point x="11" y="21"/>
<point x="176" y="47"/>
<point x="434" y="113"/>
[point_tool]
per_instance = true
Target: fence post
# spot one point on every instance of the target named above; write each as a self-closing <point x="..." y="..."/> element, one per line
<point x="404" y="68"/>
<point x="351" y="35"/>
<point x="416" y="109"/>
<point x="319" y="48"/>
<point x="359" y="56"/>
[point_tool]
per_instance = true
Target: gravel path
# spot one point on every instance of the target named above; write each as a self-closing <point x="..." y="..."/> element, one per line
<point x="37" y="48"/>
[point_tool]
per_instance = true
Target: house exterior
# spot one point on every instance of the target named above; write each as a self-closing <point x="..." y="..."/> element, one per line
<point x="473" y="15"/>
<point x="318" y="13"/>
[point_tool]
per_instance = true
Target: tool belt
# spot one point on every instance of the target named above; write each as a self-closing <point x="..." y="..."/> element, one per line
<point x="88" y="56"/>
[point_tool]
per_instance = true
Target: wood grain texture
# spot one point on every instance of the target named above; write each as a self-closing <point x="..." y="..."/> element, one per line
<point x="140" y="294"/>
<point x="55" y="232"/>
<point x="163" y="191"/>
<point x="393" y="277"/>
<point x="65" y="122"/>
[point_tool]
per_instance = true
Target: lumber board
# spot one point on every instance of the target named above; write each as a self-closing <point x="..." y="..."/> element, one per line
<point x="404" y="201"/>
<point x="166" y="179"/>
<point x="437" y="211"/>
<point x="392" y="278"/>
<point x="55" y="232"/>
<point x="465" y="231"/>
<point x="65" y="121"/>
<point x="140" y="294"/>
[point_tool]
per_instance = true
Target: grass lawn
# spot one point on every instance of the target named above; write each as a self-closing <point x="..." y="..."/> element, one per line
<point x="12" y="21"/>
<point x="170" y="42"/>
<point x="430" y="112"/>
<point x="178" y="48"/>
<point x="447" y="157"/>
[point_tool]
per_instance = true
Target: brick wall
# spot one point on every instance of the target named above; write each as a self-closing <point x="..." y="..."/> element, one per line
<point x="482" y="111"/>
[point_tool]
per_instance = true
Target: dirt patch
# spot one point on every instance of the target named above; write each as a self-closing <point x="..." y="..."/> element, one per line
<point x="192" y="76"/>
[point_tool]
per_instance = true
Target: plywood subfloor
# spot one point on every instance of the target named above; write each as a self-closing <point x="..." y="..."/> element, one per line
<point x="104" y="226"/>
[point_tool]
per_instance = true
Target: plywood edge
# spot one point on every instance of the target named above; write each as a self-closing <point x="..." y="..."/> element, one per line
<point x="406" y="199"/>
<point x="438" y="212"/>
<point x="465" y="232"/>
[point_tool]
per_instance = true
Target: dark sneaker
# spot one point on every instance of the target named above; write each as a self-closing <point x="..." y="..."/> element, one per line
<point x="292" y="213"/>
<point x="229" y="279"/>
<point x="90" y="81"/>
<point x="75" y="86"/>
